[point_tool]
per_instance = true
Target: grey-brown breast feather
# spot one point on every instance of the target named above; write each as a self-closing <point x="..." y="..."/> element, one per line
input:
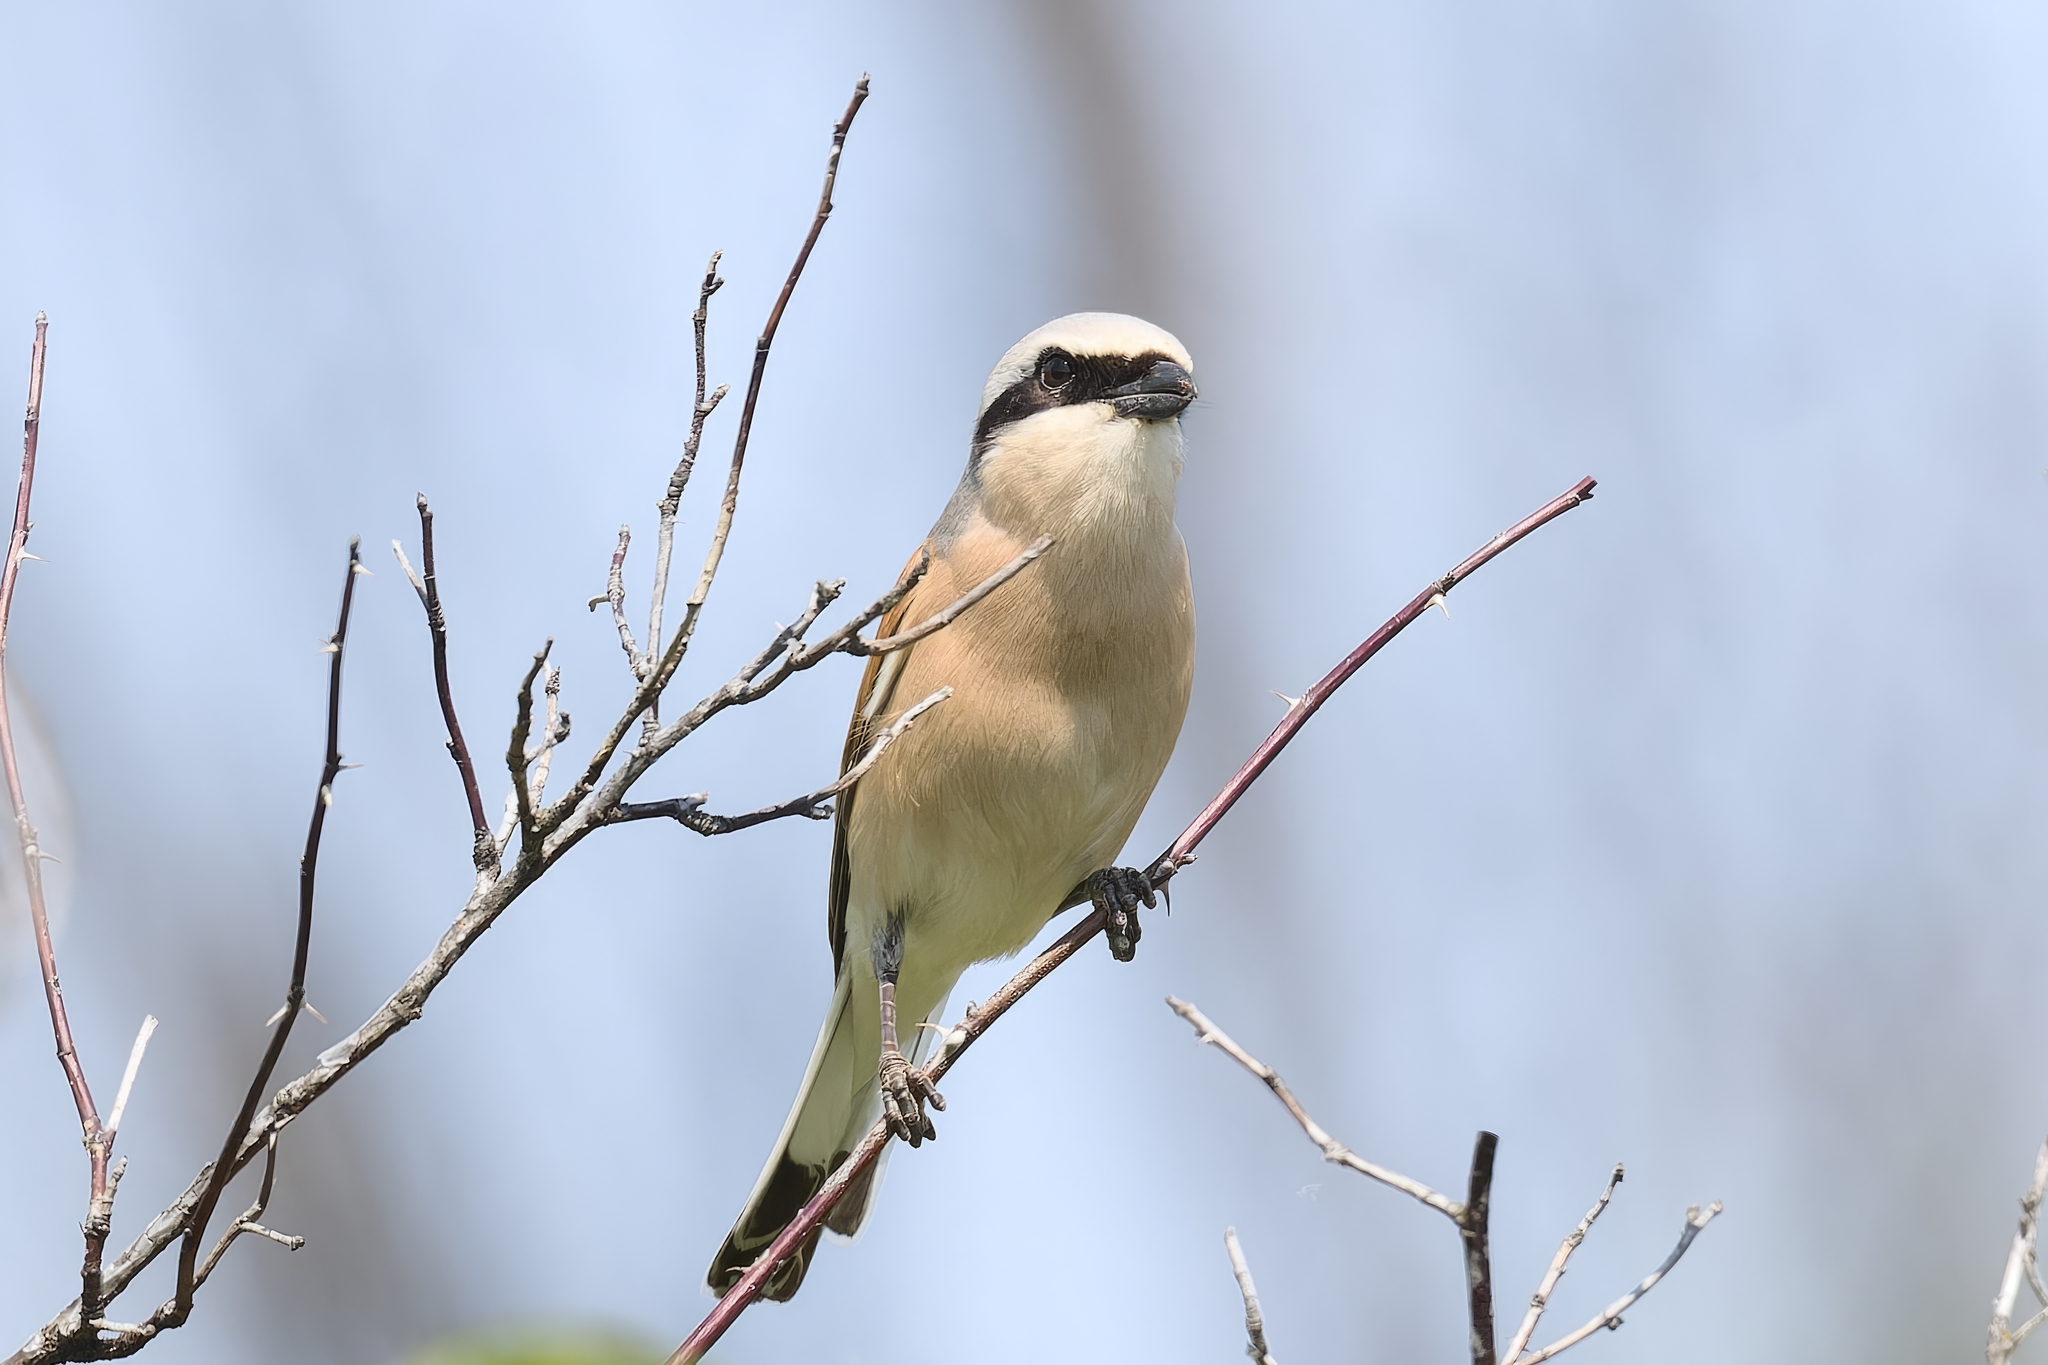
<point x="868" y="706"/>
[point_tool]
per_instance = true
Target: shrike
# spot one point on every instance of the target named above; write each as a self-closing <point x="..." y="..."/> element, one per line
<point x="1069" y="686"/>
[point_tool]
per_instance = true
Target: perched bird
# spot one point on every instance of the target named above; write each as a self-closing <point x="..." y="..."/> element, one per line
<point x="1069" y="683"/>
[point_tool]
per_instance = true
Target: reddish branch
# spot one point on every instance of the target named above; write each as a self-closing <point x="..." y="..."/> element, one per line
<point x="1312" y="700"/>
<point x="96" y="1144"/>
<point x="1177" y="855"/>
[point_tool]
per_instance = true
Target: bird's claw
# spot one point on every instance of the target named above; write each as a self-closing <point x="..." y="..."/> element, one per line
<point x="1118" y="892"/>
<point x="905" y="1088"/>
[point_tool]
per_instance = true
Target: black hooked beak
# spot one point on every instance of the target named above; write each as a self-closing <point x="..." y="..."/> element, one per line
<point x="1164" y="391"/>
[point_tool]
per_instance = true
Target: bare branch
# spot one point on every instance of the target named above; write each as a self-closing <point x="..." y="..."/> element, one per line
<point x="224" y="1165"/>
<point x="701" y="407"/>
<point x="247" y="1222"/>
<point x="2019" y="1262"/>
<point x="554" y="729"/>
<point x="1299" y="710"/>
<point x="483" y="849"/>
<point x="517" y="759"/>
<point x="1472" y="1232"/>
<point x="730" y="503"/>
<point x="1610" y="1318"/>
<point x="615" y="593"/>
<point x="933" y="624"/>
<point x="1541" y="1299"/>
<point x="1254" y="1320"/>
<point x="689" y="810"/>
<point x="1333" y="1150"/>
<point x="142" y="1036"/>
<point x="96" y="1144"/>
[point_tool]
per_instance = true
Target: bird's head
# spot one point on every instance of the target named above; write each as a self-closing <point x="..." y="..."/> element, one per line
<point x="1080" y="428"/>
<point x="1086" y="369"/>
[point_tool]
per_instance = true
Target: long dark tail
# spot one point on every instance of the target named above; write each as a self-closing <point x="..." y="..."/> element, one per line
<point x="835" y="1106"/>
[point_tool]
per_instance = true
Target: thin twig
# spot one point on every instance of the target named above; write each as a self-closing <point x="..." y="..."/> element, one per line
<point x="483" y="850"/>
<point x="701" y="407"/>
<point x="1470" y="1218"/>
<point x="1610" y="1318"/>
<point x="726" y="507"/>
<point x="224" y="1166"/>
<point x="932" y="624"/>
<point x="142" y="1036"/>
<point x="1541" y="1298"/>
<point x="247" y="1222"/>
<point x="615" y="593"/>
<point x="1333" y="1150"/>
<point x="1312" y="700"/>
<point x="689" y="810"/>
<point x="670" y="656"/>
<point x="95" y="1138"/>
<point x="1254" y="1320"/>
<point x="554" y="729"/>
<point x="2002" y="1339"/>
<point x="518" y="760"/>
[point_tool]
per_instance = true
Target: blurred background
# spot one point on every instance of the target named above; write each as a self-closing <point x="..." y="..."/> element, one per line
<point x="1706" y="833"/>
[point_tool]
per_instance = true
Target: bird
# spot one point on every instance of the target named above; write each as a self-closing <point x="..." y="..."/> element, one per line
<point x="1069" y="686"/>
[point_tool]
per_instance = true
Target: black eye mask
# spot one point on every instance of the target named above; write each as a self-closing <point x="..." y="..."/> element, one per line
<point x="1060" y="379"/>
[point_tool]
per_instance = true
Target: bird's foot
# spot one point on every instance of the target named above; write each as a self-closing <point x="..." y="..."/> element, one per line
<point x="905" y="1088"/>
<point x="1117" y="893"/>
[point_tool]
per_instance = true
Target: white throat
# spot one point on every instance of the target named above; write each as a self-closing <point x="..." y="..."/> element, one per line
<point x="1081" y="471"/>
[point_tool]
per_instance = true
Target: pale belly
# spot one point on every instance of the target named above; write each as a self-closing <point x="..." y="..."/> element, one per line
<point x="999" y="801"/>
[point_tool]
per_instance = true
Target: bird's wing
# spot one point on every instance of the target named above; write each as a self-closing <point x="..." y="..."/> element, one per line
<point x="877" y="687"/>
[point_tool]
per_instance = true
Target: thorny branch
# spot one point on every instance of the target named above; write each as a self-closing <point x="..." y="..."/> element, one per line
<point x="295" y="992"/>
<point x="1178" y="854"/>
<point x="2003" y="1337"/>
<point x="1469" y="1217"/>
<point x="98" y="1140"/>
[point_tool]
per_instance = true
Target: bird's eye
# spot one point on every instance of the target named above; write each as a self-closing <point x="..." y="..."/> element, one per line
<point x="1056" y="371"/>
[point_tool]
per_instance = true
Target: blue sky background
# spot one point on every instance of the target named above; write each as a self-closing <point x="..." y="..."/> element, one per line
<point x="1705" y="834"/>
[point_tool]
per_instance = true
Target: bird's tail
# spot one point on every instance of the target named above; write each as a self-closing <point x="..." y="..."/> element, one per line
<point x="835" y="1106"/>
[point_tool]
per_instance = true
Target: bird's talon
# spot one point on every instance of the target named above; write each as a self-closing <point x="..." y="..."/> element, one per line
<point x="1118" y="892"/>
<point x="905" y="1089"/>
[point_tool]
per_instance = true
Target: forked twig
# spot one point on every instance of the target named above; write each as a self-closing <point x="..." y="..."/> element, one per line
<point x="1470" y="1217"/>
<point x="1610" y="1317"/>
<point x="1333" y="1150"/>
<point x="1541" y="1299"/>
